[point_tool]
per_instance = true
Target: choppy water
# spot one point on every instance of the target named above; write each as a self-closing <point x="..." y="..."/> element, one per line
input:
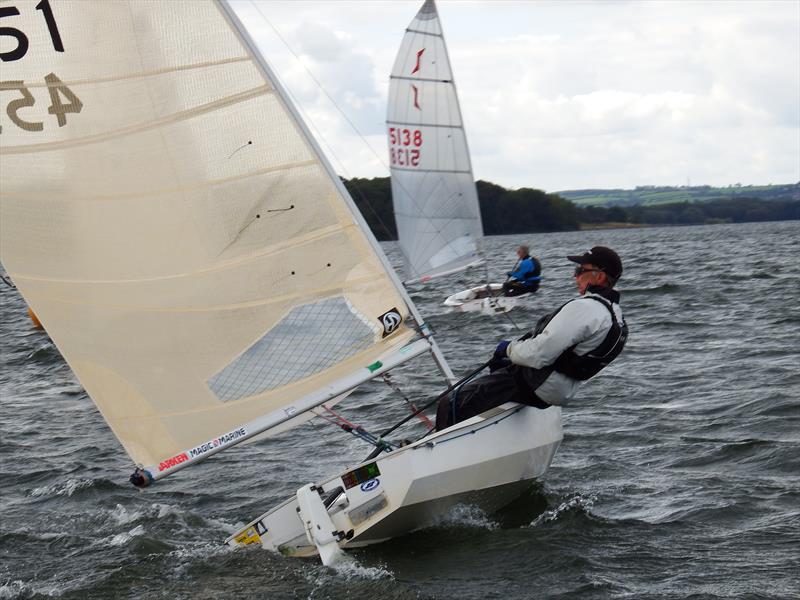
<point x="679" y="475"/>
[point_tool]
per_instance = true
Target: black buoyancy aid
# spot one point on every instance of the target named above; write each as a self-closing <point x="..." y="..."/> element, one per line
<point x="533" y="276"/>
<point x="580" y="367"/>
<point x="584" y="366"/>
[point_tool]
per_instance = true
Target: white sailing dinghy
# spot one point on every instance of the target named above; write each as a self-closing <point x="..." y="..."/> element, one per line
<point x="164" y="211"/>
<point x="433" y="189"/>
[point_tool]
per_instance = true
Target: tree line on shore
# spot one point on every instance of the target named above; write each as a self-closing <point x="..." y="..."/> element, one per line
<point x="527" y="210"/>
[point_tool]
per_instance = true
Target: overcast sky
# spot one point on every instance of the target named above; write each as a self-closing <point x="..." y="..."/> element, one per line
<point x="561" y="95"/>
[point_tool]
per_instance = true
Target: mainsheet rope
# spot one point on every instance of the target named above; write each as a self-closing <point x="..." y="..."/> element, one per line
<point x="379" y="441"/>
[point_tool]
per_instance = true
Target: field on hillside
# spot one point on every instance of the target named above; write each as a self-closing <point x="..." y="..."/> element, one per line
<point x="648" y="195"/>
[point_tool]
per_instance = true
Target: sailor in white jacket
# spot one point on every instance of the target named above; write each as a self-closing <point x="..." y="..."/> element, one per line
<point x="547" y="366"/>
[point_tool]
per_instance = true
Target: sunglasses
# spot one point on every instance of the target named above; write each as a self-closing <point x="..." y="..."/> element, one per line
<point x="580" y="271"/>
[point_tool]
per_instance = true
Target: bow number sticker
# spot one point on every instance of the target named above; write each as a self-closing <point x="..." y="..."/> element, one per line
<point x="390" y="320"/>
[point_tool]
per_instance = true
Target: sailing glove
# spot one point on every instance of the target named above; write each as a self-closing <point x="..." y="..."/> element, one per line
<point x="499" y="363"/>
<point x="500" y="351"/>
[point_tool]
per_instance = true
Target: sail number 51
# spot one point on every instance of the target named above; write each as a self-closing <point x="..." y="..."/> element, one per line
<point x="404" y="146"/>
<point x="18" y="49"/>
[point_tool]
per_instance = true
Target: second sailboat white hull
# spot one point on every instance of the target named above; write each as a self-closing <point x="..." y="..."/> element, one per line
<point x="486" y="461"/>
<point x="487" y="299"/>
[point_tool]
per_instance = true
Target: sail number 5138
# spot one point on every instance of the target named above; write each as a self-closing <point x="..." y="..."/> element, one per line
<point x="404" y="146"/>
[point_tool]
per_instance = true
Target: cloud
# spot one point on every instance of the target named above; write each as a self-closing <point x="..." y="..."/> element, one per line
<point x="563" y="95"/>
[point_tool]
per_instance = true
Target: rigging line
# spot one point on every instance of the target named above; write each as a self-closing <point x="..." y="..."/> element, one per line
<point x="317" y="130"/>
<point x="396" y="388"/>
<point x="339" y="417"/>
<point x="449" y="389"/>
<point x="357" y="431"/>
<point x="492" y="301"/>
<point x="507" y="316"/>
<point x="349" y="121"/>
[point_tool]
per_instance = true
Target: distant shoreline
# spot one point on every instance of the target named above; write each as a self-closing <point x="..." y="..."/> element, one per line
<point x="612" y="225"/>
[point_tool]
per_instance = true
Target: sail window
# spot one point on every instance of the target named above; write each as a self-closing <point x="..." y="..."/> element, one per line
<point x="308" y="340"/>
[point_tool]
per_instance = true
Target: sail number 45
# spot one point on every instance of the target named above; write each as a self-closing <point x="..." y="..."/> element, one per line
<point x="58" y="108"/>
<point x="16" y="51"/>
<point x="404" y="146"/>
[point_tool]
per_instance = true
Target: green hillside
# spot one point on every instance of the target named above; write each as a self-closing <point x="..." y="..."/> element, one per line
<point x="527" y="210"/>
<point x="650" y="194"/>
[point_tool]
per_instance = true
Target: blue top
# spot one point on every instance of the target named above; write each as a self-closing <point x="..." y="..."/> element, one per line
<point x="529" y="270"/>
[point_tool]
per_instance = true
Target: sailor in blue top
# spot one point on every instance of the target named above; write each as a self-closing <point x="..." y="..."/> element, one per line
<point x="525" y="277"/>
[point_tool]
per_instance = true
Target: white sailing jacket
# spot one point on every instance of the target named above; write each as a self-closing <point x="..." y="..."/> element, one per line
<point x="583" y="323"/>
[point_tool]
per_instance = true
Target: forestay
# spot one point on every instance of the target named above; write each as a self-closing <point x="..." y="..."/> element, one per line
<point x="170" y="221"/>
<point x="433" y="190"/>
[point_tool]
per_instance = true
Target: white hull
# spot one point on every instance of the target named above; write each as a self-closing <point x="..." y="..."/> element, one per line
<point x="480" y="299"/>
<point x="486" y="461"/>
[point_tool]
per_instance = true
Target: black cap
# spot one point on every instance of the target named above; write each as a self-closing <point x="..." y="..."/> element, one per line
<point x="602" y="257"/>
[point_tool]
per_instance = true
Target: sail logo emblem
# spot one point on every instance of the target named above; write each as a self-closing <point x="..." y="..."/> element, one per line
<point x="370" y="485"/>
<point x="419" y="57"/>
<point x="390" y="320"/>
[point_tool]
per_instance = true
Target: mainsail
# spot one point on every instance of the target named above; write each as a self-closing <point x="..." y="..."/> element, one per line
<point x="178" y="232"/>
<point x="433" y="190"/>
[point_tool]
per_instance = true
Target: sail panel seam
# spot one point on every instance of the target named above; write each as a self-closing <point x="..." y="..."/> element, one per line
<point x="184" y="188"/>
<point x="439" y="35"/>
<point x="306" y="295"/>
<point x="431" y="170"/>
<point x="295" y="242"/>
<point x="142" y="74"/>
<point x="141" y="127"/>
<point x="427" y="79"/>
<point x="417" y="124"/>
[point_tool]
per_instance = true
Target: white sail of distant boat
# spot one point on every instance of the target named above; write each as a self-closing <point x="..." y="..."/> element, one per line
<point x="201" y="268"/>
<point x="435" y="200"/>
<point x="433" y="189"/>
